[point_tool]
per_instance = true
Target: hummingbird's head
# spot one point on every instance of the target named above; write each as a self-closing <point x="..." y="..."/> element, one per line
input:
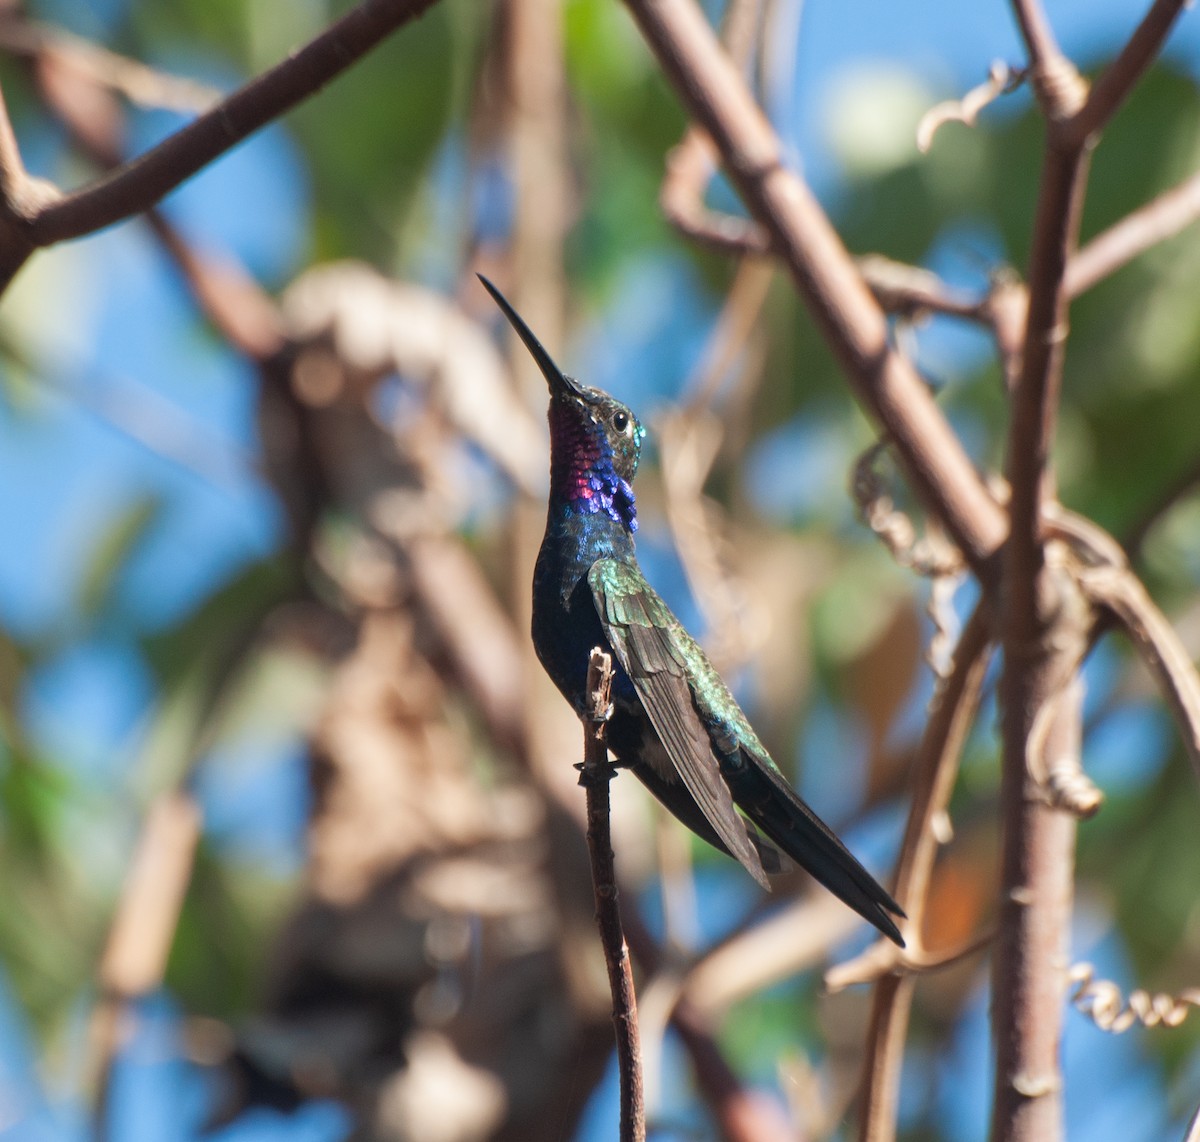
<point x="595" y="441"/>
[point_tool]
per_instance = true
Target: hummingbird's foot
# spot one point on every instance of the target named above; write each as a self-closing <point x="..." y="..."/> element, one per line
<point x="613" y="763"/>
<point x="596" y="719"/>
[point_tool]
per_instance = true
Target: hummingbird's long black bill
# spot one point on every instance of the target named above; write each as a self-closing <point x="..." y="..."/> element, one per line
<point x="555" y="377"/>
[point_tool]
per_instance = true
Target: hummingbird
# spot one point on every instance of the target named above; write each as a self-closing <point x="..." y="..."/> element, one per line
<point x="674" y="722"/>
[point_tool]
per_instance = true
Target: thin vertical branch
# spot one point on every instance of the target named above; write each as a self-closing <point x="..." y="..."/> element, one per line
<point x="1041" y="612"/>
<point x="1038" y="840"/>
<point x="1035" y="401"/>
<point x="1040" y="42"/>
<point x="1031" y="954"/>
<point x="887" y="1028"/>
<point x="595" y="775"/>
<point x="950" y="719"/>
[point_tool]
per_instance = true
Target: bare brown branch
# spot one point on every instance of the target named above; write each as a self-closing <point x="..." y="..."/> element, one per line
<point x="595" y="775"/>
<point x="878" y="963"/>
<point x="826" y="277"/>
<point x="140" y="84"/>
<point x="1035" y="402"/>
<point x="1046" y="622"/>
<point x="950" y="719"/>
<point x="1059" y="88"/>
<point x="1044" y="625"/>
<point x="1036" y="885"/>
<point x="142" y="182"/>
<point x="1122" y="75"/>
<point x="887" y="1029"/>
<point x="1120" y="592"/>
<point x="692" y="164"/>
<point x="1160" y="219"/>
<point x="901" y="288"/>
<point x="1037" y="33"/>
<point x="690" y="167"/>
<point x="913" y="290"/>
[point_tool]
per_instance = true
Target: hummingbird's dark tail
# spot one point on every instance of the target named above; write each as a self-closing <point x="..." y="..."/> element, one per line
<point x="771" y="803"/>
<point x="681" y="803"/>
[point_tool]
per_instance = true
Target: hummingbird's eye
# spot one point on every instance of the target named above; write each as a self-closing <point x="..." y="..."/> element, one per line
<point x="620" y="420"/>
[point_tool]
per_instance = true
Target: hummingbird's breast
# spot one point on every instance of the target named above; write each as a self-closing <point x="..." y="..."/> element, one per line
<point x="566" y="626"/>
<point x="565" y="623"/>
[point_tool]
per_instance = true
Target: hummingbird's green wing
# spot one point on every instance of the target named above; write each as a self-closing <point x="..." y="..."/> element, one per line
<point x="715" y="752"/>
<point x="661" y="658"/>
